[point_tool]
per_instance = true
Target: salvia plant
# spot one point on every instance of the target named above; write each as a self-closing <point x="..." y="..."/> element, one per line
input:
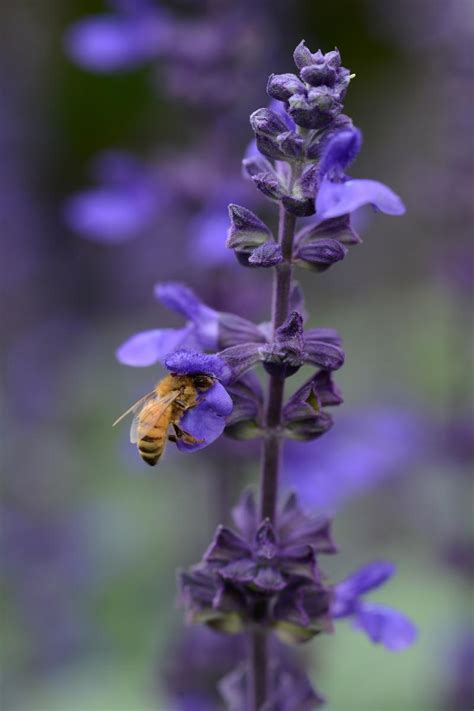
<point x="262" y="577"/>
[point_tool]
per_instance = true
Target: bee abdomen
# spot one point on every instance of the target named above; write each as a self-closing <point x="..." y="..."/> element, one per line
<point x="151" y="447"/>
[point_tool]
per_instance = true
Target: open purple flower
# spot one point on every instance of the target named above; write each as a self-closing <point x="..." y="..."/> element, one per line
<point x="120" y="41"/>
<point x="205" y="329"/>
<point x="380" y="623"/>
<point x="125" y="203"/>
<point x="206" y="421"/>
<point x="340" y="195"/>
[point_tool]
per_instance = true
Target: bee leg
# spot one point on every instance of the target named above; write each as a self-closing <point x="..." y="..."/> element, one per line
<point x="172" y="438"/>
<point x="185" y="436"/>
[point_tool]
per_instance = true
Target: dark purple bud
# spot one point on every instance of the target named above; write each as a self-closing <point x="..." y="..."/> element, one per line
<point x="286" y="354"/>
<point x="316" y="75"/>
<point x="246" y="230"/>
<point x="328" y="392"/>
<point x="316" y="110"/>
<point x="267" y="255"/>
<point x="255" y="165"/>
<point x="269" y="146"/>
<point x="338" y="228"/>
<point x="269" y="184"/>
<point x="324" y="355"/>
<point x="267" y="122"/>
<point x="320" y="254"/>
<point x="282" y="86"/>
<point x="317" y="392"/>
<point x="302" y="56"/>
<point x="291" y="145"/>
<point x="310" y="428"/>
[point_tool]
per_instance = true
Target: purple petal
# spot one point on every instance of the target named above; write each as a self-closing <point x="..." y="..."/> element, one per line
<point x="108" y="43"/>
<point x="340" y="150"/>
<point x="336" y="199"/>
<point x="206" y="421"/>
<point x="109" y="214"/>
<point x="369" y="577"/>
<point x="385" y="626"/>
<point x="181" y="299"/>
<point x="149" y="347"/>
<point x="188" y="362"/>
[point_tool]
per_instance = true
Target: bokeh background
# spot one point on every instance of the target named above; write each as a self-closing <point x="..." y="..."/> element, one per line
<point x="90" y="540"/>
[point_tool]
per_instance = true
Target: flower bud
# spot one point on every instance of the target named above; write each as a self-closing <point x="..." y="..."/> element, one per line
<point x="338" y="228"/>
<point x="269" y="146"/>
<point x="282" y="86"/>
<point x="267" y="122"/>
<point x="302" y="55"/>
<point x="267" y="255"/>
<point x="269" y="184"/>
<point x="310" y="428"/>
<point x="320" y="254"/>
<point x="316" y="110"/>
<point x="246" y="230"/>
<point x="291" y="145"/>
<point x="254" y="165"/>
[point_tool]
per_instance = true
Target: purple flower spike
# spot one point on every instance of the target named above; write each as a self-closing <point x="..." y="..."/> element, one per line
<point x="381" y="624"/>
<point x="187" y="362"/>
<point x="337" y="199"/>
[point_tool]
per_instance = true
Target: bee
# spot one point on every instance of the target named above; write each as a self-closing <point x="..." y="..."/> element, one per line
<point x="162" y="408"/>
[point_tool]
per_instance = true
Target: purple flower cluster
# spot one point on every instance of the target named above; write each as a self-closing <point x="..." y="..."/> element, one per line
<point x="264" y="577"/>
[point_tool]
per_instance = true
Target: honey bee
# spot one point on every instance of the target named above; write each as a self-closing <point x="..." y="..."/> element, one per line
<point x="162" y="408"/>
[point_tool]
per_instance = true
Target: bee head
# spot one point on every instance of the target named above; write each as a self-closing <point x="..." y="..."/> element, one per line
<point x="203" y="382"/>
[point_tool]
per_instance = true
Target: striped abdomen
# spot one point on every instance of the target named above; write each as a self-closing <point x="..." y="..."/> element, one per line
<point x="152" y="432"/>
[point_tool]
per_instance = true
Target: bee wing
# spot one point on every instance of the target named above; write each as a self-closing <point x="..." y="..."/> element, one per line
<point x="162" y="404"/>
<point x="134" y="407"/>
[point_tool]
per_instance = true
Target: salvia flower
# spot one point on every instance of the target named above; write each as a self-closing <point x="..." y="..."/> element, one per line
<point x="205" y="329"/>
<point x="338" y="194"/>
<point x="381" y="624"/>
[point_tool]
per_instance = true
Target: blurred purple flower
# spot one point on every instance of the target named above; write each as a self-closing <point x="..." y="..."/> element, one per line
<point x="338" y="194"/>
<point x="129" y="197"/>
<point x="118" y="42"/>
<point x="366" y="448"/>
<point x="380" y="623"/>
